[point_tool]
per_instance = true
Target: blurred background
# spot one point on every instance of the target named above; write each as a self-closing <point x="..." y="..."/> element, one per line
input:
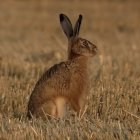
<point x="30" y="29"/>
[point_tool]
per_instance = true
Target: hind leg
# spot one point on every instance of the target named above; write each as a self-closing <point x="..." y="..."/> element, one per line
<point x="48" y="109"/>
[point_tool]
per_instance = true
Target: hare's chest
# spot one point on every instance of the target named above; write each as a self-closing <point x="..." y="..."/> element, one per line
<point x="79" y="83"/>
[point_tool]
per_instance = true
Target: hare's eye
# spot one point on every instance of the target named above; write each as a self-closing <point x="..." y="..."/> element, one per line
<point x="85" y="44"/>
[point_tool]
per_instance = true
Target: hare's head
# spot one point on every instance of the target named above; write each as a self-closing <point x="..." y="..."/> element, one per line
<point x="77" y="46"/>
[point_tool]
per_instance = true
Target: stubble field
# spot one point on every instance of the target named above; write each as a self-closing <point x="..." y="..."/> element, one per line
<point x="31" y="40"/>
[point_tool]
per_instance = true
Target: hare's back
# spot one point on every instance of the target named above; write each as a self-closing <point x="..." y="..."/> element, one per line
<point x="57" y="75"/>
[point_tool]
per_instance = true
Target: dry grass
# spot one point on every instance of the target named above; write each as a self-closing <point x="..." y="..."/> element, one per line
<point x="31" y="41"/>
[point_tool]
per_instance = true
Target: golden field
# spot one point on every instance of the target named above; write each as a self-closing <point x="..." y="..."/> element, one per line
<point x="31" y="41"/>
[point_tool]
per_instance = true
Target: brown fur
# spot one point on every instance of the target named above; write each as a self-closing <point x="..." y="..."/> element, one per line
<point x="67" y="82"/>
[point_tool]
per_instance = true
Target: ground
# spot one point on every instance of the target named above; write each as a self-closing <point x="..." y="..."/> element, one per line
<point x="31" y="40"/>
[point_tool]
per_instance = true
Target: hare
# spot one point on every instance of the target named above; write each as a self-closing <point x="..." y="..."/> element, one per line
<point x="66" y="82"/>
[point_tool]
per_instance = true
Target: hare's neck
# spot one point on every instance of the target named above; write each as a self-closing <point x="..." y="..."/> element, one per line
<point x="80" y="73"/>
<point x="80" y="64"/>
<point x="72" y="56"/>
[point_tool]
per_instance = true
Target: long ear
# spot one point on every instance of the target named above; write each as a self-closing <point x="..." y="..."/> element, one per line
<point x="66" y="25"/>
<point x="77" y="26"/>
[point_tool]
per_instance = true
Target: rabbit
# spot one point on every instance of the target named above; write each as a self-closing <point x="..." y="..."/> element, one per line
<point x="66" y="82"/>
